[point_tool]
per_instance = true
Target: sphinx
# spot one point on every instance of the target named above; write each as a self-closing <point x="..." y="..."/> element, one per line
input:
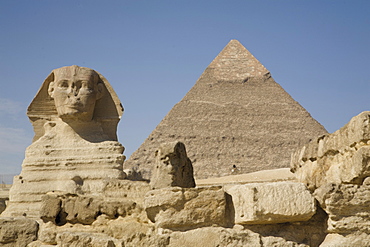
<point x="75" y="115"/>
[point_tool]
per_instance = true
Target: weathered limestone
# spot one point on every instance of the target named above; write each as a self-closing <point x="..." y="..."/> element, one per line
<point x="172" y="168"/>
<point x="182" y="216"/>
<point x="74" y="115"/>
<point x="348" y="208"/>
<point x="99" y="219"/>
<point x="17" y="231"/>
<point x="215" y="236"/>
<point x="4" y="198"/>
<point x="271" y="203"/>
<point x="341" y="157"/>
<point x="62" y="209"/>
<point x="186" y="208"/>
<point x="336" y="168"/>
<point x="238" y="236"/>
<point x="350" y="240"/>
<point x="2" y="205"/>
<point x="95" y="100"/>
<point x="130" y="190"/>
<point x="308" y="233"/>
<point x="235" y="115"/>
<point x="69" y="239"/>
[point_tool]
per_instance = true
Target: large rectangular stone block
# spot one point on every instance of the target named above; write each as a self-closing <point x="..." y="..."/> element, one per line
<point x="270" y="203"/>
<point x="186" y="208"/>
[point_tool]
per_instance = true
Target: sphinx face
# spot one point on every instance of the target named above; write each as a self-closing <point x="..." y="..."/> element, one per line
<point x="75" y="91"/>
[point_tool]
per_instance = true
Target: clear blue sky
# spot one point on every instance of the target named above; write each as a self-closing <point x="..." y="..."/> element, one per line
<point x="152" y="52"/>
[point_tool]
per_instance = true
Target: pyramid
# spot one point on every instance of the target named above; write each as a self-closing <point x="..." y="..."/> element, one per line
<point x="235" y="119"/>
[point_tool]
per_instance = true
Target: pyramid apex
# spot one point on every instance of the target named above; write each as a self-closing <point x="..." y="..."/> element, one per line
<point x="236" y="63"/>
<point x="235" y="41"/>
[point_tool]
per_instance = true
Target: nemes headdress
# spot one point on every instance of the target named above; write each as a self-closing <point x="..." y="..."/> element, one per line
<point x="108" y="109"/>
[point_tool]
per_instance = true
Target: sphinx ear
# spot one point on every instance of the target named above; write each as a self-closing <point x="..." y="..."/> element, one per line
<point x="51" y="89"/>
<point x="100" y="91"/>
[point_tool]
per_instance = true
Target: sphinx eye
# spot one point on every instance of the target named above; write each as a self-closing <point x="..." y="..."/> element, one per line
<point x="63" y="84"/>
<point x="85" y="84"/>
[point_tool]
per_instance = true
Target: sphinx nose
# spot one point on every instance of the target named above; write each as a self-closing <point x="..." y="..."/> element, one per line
<point x="73" y="92"/>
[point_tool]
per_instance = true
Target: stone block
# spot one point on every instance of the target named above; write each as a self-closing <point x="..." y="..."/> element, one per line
<point x="271" y="203"/>
<point x="351" y="240"/>
<point x="348" y="207"/>
<point x="130" y="190"/>
<point x="113" y="209"/>
<point x="186" y="208"/>
<point x="50" y="207"/>
<point x="71" y="208"/>
<point x="17" y="231"/>
<point x="47" y="233"/>
<point x="81" y="209"/>
<point x="172" y="167"/>
<point x="340" y="157"/>
<point x="71" y="239"/>
<point x="215" y="236"/>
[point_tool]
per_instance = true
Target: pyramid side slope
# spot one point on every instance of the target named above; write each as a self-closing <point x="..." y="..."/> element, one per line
<point x="254" y="126"/>
<point x="235" y="115"/>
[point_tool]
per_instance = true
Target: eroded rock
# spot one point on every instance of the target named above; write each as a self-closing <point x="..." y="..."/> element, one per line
<point x="69" y="239"/>
<point x="348" y="207"/>
<point x="341" y="157"/>
<point x="72" y="208"/>
<point x="351" y="240"/>
<point x="17" y="231"/>
<point x="172" y="167"/>
<point x="186" y="208"/>
<point x="271" y="203"/>
<point x="130" y="190"/>
<point x="336" y="167"/>
<point x="2" y="205"/>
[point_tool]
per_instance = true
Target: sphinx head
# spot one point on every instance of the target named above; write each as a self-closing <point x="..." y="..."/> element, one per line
<point x="73" y="94"/>
<point x="75" y="91"/>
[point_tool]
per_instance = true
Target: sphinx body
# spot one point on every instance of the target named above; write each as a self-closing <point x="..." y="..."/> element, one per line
<point x="75" y="148"/>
